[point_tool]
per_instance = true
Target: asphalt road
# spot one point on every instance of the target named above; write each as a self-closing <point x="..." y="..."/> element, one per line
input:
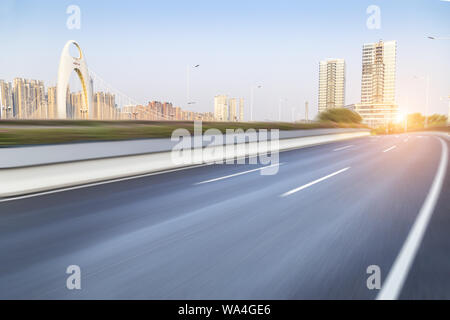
<point x="308" y="232"/>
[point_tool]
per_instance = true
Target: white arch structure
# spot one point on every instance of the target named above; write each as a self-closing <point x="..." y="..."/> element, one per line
<point x="67" y="64"/>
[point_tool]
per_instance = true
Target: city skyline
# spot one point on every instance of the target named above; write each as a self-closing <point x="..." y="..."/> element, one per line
<point x="31" y="99"/>
<point x="224" y="159"/>
<point x="286" y="69"/>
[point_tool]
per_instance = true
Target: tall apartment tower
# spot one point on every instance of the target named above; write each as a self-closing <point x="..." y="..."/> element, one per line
<point x="331" y="84"/>
<point x="232" y="109"/>
<point x="51" y="102"/>
<point x="241" y="109"/>
<point x="104" y="106"/>
<point x="306" y="111"/>
<point x="6" y="100"/>
<point x="377" y="105"/>
<point x="20" y="98"/>
<point x="378" y="72"/>
<point x="221" y="108"/>
<point x="29" y="100"/>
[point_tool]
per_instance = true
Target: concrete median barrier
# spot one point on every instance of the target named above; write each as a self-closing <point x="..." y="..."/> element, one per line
<point x="46" y="177"/>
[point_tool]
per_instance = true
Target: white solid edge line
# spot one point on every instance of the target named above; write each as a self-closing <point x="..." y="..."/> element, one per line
<point x="312" y="183"/>
<point x="389" y="149"/>
<point x="402" y="264"/>
<point x="238" y="174"/>
<point x="343" y="148"/>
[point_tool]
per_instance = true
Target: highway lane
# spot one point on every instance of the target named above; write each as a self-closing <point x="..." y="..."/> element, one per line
<point x="167" y="236"/>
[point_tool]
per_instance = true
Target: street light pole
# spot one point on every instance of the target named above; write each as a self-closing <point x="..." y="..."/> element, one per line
<point x="427" y="105"/>
<point x="188" y="89"/>
<point x="438" y="38"/>
<point x="252" y="93"/>
<point x="406" y="114"/>
<point x="427" y="93"/>
<point x="279" y="107"/>
<point x="426" y="118"/>
<point x="279" y="110"/>
<point x="448" y="116"/>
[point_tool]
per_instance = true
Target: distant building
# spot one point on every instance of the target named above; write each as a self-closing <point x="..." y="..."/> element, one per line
<point x="6" y="101"/>
<point x="24" y="99"/>
<point x="232" y="109"/>
<point x="306" y="111"/>
<point x="51" y="102"/>
<point x="221" y="108"/>
<point x="378" y="105"/>
<point x="331" y="84"/>
<point x="378" y="72"/>
<point x="76" y="106"/>
<point x="227" y="109"/>
<point x="241" y="109"/>
<point x="104" y="105"/>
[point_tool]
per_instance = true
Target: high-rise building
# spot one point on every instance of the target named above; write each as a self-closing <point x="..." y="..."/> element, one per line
<point x="232" y="109"/>
<point x="306" y="111"/>
<point x="21" y="97"/>
<point x="167" y="111"/>
<point x="40" y="101"/>
<point x="378" y="105"/>
<point x="221" y="108"/>
<point x="378" y="72"/>
<point x="76" y="106"/>
<point x="241" y="109"/>
<point x="104" y="106"/>
<point x="51" y="102"/>
<point x="331" y="84"/>
<point x="6" y="101"/>
<point x="29" y="100"/>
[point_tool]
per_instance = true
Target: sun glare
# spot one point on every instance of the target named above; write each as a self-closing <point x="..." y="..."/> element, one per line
<point x="400" y="117"/>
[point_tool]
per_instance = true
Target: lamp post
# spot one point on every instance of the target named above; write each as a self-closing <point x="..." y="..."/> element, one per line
<point x="438" y="38"/>
<point x="427" y="101"/>
<point x="252" y="93"/>
<point x="441" y="38"/>
<point x="448" y="116"/>
<point x="279" y="107"/>
<point x="406" y="114"/>
<point x="188" y="88"/>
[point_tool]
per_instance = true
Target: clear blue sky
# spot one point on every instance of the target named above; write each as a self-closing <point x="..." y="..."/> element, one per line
<point x="143" y="47"/>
